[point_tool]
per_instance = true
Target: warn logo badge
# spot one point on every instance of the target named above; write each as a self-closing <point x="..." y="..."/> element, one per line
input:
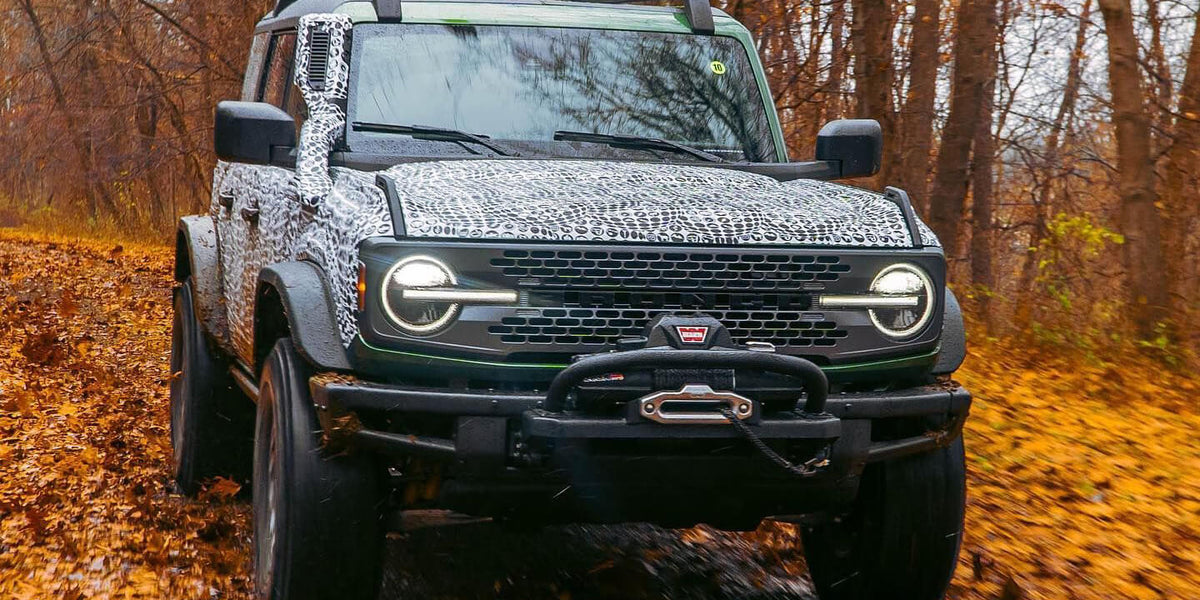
<point x="692" y="335"/>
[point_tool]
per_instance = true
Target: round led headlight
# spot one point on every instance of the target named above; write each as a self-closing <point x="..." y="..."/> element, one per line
<point x="908" y="282"/>
<point x="410" y="310"/>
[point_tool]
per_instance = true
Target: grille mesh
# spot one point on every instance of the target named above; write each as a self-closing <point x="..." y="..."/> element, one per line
<point x="601" y="327"/>
<point x="670" y="270"/>
<point x="643" y="285"/>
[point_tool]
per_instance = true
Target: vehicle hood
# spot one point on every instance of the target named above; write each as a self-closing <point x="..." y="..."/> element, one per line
<point x="597" y="201"/>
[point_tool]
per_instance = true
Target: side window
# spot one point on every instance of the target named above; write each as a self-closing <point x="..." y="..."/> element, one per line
<point x="254" y="69"/>
<point x="278" y="77"/>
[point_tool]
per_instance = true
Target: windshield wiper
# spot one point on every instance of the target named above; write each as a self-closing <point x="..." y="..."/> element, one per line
<point x="635" y="142"/>
<point x="437" y="134"/>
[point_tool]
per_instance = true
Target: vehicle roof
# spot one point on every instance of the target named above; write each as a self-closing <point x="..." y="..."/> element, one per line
<point x="516" y="12"/>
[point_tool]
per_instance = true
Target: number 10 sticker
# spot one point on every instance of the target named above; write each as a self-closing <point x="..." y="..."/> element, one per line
<point x="717" y="67"/>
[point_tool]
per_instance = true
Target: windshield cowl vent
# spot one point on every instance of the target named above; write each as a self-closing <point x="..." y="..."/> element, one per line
<point x="318" y="63"/>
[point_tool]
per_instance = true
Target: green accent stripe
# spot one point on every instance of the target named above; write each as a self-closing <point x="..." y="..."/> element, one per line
<point x="883" y="364"/>
<point x="866" y="366"/>
<point x="464" y="361"/>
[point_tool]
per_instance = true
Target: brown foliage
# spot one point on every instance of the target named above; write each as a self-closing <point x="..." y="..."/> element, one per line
<point x="106" y="105"/>
<point x="87" y="508"/>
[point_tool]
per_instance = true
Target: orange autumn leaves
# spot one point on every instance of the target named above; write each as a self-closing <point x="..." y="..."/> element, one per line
<point x="1084" y="478"/>
<point x="86" y="505"/>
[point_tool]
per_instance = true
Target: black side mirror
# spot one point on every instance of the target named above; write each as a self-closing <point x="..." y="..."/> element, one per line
<point x="857" y="144"/>
<point x="246" y="132"/>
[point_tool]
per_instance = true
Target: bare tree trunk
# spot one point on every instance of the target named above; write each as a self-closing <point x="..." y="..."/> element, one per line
<point x="1140" y="222"/>
<point x="1046" y="204"/>
<point x="1160" y="70"/>
<point x="838" y="58"/>
<point x="871" y="29"/>
<point x="976" y="31"/>
<point x="916" y="136"/>
<point x="1179" y="197"/>
<point x="982" y="185"/>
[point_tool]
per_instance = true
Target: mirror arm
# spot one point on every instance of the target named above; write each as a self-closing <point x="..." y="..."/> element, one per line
<point x="283" y="156"/>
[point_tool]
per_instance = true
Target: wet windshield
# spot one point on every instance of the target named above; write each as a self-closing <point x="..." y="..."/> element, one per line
<point x="521" y="85"/>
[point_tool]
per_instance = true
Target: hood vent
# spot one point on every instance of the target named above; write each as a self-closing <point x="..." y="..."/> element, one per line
<point x="318" y="62"/>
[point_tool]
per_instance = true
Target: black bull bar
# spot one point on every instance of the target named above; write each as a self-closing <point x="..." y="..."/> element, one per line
<point x="816" y="386"/>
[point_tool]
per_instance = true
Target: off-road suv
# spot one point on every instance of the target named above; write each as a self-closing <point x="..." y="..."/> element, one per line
<point x="547" y="261"/>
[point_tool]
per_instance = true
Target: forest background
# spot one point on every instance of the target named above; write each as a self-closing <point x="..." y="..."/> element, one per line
<point x="1053" y="146"/>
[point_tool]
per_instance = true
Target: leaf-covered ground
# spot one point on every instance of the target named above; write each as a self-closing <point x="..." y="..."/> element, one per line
<point x="1084" y="475"/>
<point x="86" y="504"/>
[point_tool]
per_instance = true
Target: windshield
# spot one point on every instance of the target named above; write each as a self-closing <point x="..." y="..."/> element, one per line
<point x="521" y="85"/>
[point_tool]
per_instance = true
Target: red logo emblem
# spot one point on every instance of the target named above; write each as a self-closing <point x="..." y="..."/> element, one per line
<point x="692" y="335"/>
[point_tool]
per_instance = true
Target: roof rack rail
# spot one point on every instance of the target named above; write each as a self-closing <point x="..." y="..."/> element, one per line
<point x="699" y="12"/>
<point x="388" y="10"/>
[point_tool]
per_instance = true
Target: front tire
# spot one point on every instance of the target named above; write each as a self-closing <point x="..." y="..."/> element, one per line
<point x="317" y="521"/>
<point x="211" y="420"/>
<point x="903" y="536"/>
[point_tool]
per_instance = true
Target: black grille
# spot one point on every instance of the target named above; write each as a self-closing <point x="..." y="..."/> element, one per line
<point x="601" y="327"/>
<point x="596" y="297"/>
<point x="598" y="269"/>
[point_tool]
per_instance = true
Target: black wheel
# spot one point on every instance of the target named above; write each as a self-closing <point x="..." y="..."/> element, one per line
<point x="318" y="530"/>
<point x="211" y="420"/>
<point x="903" y="536"/>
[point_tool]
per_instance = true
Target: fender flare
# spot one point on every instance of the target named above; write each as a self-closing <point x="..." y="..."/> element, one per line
<point x="954" y="338"/>
<point x="196" y="257"/>
<point x="308" y="306"/>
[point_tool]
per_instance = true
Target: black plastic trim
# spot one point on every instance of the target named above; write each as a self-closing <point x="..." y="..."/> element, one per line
<point x="356" y="395"/>
<point x="891" y="450"/>
<point x="389" y="10"/>
<point x="249" y="132"/>
<point x="412" y="445"/>
<point x="901" y="199"/>
<point x="312" y="322"/>
<point x="954" y="338"/>
<point x="856" y="145"/>
<point x="388" y="185"/>
<point x="911" y="402"/>
<point x="823" y="170"/>
<point x="543" y="424"/>
<point x="199" y="236"/>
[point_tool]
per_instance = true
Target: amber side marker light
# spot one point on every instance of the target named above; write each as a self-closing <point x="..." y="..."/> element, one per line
<point x="362" y="287"/>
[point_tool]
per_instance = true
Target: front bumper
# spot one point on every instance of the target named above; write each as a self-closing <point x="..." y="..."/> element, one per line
<point x="509" y="453"/>
<point x="338" y="395"/>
